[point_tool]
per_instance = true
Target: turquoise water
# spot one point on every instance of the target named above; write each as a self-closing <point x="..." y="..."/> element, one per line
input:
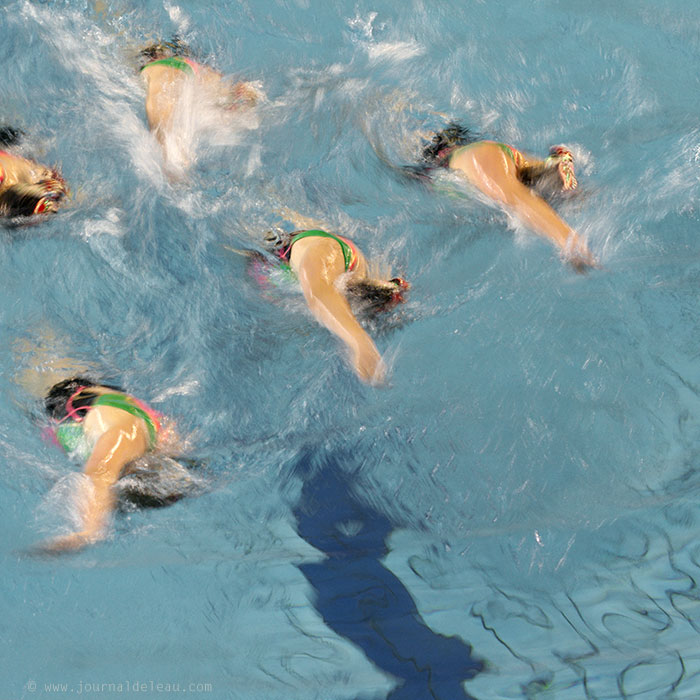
<point x="514" y="515"/>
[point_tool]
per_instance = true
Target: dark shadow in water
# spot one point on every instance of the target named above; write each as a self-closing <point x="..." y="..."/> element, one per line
<point x="362" y="600"/>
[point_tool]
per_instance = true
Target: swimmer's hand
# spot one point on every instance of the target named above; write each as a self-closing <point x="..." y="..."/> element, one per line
<point x="584" y="265"/>
<point x="583" y="261"/>
<point x="368" y="364"/>
<point x="579" y="256"/>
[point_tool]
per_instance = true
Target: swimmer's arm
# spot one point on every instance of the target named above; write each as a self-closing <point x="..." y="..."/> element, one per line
<point x="545" y="221"/>
<point x="113" y="450"/>
<point x="332" y="310"/>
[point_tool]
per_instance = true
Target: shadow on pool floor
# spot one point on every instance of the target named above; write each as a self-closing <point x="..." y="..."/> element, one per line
<point x="362" y="600"/>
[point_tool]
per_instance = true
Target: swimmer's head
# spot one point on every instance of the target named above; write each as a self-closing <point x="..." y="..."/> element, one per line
<point x="9" y="136"/>
<point x="557" y="176"/>
<point x="277" y="240"/>
<point x="29" y="198"/>
<point x="164" y="49"/>
<point x="452" y="135"/>
<point x="59" y="394"/>
<point x="376" y="296"/>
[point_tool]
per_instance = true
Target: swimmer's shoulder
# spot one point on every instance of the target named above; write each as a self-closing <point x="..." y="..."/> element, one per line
<point x="327" y="251"/>
<point x="100" y="419"/>
<point x="312" y="243"/>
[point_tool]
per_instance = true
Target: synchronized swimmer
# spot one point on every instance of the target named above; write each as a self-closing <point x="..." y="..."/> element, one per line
<point x="168" y="71"/>
<point x="108" y="431"/>
<point x="332" y="273"/>
<point x="506" y="175"/>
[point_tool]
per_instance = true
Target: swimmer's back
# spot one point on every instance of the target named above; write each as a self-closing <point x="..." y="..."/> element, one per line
<point x="329" y="250"/>
<point x="101" y="419"/>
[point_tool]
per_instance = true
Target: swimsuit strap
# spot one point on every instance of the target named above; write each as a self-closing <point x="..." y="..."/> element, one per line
<point x="64" y="435"/>
<point x="348" y="247"/>
<point x="514" y="154"/>
<point x="70" y="437"/>
<point x="445" y="156"/>
<point x="196" y="68"/>
<point x="184" y="64"/>
<point x="71" y="412"/>
<point x="136" y="408"/>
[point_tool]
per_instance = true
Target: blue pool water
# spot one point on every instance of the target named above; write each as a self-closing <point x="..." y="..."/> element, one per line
<point x="515" y="514"/>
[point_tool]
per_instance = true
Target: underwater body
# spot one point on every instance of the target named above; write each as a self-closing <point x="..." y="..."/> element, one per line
<point x="514" y="514"/>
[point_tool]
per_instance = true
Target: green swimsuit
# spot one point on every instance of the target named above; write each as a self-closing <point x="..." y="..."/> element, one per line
<point x="513" y="153"/>
<point x="348" y="248"/>
<point x="182" y="64"/>
<point x="71" y="436"/>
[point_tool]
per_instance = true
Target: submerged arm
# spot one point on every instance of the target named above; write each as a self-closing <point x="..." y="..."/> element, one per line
<point x="299" y="220"/>
<point x="113" y="450"/>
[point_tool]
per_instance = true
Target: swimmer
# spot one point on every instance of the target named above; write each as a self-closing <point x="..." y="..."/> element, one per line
<point x="26" y="187"/>
<point x="506" y="176"/>
<point x="168" y="70"/>
<point x="333" y="272"/>
<point x="118" y="438"/>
